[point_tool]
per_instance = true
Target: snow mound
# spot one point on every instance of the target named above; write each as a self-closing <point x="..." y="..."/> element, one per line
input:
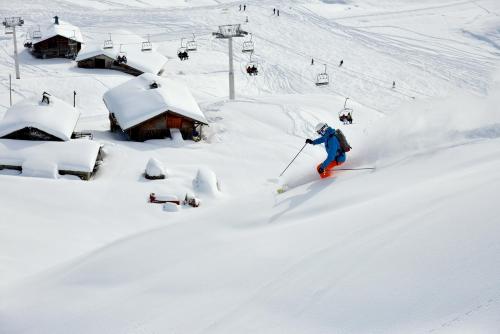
<point x="176" y="136"/>
<point x="40" y="168"/>
<point x="170" y="207"/>
<point x="206" y="182"/>
<point x="155" y="170"/>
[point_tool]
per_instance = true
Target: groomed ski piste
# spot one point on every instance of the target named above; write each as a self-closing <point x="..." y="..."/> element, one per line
<point x="410" y="247"/>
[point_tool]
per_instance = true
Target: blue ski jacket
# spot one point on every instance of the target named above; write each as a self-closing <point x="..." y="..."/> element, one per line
<point x="332" y="147"/>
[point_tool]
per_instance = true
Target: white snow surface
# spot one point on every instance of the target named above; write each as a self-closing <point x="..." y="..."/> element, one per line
<point x="57" y="118"/>
<point x="134" y="102"/>
<point x="170" y="207"/>
<point x="78" y="155"/>
<point x="40" y="168"/>
<point x="176" y="136"/>
<point x="63" y="29"/>
<point x="411" y="247"/>
<point x="150" y="61"/>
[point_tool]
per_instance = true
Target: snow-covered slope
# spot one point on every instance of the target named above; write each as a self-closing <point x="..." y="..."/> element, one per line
<point x="411" y="247"/>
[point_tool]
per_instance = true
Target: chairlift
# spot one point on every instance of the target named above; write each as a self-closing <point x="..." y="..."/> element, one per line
<point x="36" y="34"/>
<point x="72" y="40"/>
<point x="322" y="79"/>
<point x="192" y="45"/>
<point x="345" y="115"/>
<point x="28" y="42"/>
<point x="248" y="45"/>
<point x="9" y="30"/>
<point x="72" y="44"/>
<point x="252" y="67"/>
<point x="146" y="45"/>
<point x="182" y="52"/>
<point x="108" y="43"/>
<point x="121" y="58"/>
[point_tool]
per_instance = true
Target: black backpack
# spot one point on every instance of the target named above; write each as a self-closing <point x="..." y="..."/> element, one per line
<point x="344" y="145"/>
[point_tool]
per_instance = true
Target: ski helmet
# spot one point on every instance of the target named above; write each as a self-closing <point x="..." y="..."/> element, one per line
<point x="321" y="128"/>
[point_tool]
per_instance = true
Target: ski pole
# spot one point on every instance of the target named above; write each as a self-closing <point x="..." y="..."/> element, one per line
<point x="293" y="159"/>
<point x="370" y="168"/>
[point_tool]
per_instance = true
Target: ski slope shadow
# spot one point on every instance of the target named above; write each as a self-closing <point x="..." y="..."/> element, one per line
<point x="314" y="188"/>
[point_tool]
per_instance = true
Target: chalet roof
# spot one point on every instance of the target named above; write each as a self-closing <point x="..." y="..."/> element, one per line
<point x="77" y="155"/>
<point x="145" y="61"/>
<point x="57" y="118"/>
<point x="134" y="102"/>
<point x="64" y="29"/>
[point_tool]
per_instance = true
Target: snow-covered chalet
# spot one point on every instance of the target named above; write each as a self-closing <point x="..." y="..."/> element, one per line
<point x="150" y="106"/>
<point x="59" y="39"/>
<point x="37" y="135"/>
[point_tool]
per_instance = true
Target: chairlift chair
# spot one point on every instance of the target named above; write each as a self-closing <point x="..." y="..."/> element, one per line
<point x="121" y="58"/>
<point x="9" y="30"/>
<point x="108" y="43"/>
<point x="36" y="34"/>
<point x="182" y="52"/>
<point x="248" y="45"/>
<point x="252" y="67"/>
<point x="146" y="45"/>
<point x="28" y="42"/>
<point x="72" y="40"/>
<point x="345" y="115"/>
<point x="72" y="44"/>
<point x="192" y="45"/>
<point x="323" y="79"/>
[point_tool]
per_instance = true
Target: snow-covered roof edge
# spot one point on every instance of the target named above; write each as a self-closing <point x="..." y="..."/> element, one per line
<point x="63" y="29"/>
<point x="57" y="118"/>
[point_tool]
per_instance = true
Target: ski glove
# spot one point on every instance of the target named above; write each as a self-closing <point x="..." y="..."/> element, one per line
<point x="309" y="141"/>
<point x="321" y="170"/>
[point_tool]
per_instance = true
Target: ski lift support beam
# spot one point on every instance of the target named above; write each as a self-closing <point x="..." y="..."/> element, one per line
<point x="13" y="22"/>
<point x="228" y="31"/>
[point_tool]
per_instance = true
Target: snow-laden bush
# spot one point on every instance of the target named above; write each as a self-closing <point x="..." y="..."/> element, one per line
<point x="206" y="182"/>
<point x="155" y="170"/>
<point x="40" y="168"/>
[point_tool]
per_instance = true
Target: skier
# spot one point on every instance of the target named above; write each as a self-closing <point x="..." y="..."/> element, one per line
<point x="312" y="61"/>
<point x="240" y="7"/>
<point x="244" y="7"/>
<point x="341" y="63"/>
<point x="274" y="11"/>
<point x="336" y="156"/>
<point x="278" y="12"/>
<point x="393" y="84"/>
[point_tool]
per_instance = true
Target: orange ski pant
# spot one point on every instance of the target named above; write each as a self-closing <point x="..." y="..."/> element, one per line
<point x="328" y="170"/>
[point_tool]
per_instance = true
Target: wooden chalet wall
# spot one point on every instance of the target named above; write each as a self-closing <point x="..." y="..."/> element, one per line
<point x="30" y="133"/>
<point x="157" y="127"/>
<point x="55" y="47"/>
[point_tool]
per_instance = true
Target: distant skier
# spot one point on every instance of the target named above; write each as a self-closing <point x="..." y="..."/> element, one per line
<point x="336" y="156"/>
<point x="240" y="7"/>
<point x="312" y="61"/>
<point x="274" y="11"/>
<point x="244" y="7"/>
<point x="278" y="12"/>
<point x="393" y="84"/>
<point x="341" y="63"/>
